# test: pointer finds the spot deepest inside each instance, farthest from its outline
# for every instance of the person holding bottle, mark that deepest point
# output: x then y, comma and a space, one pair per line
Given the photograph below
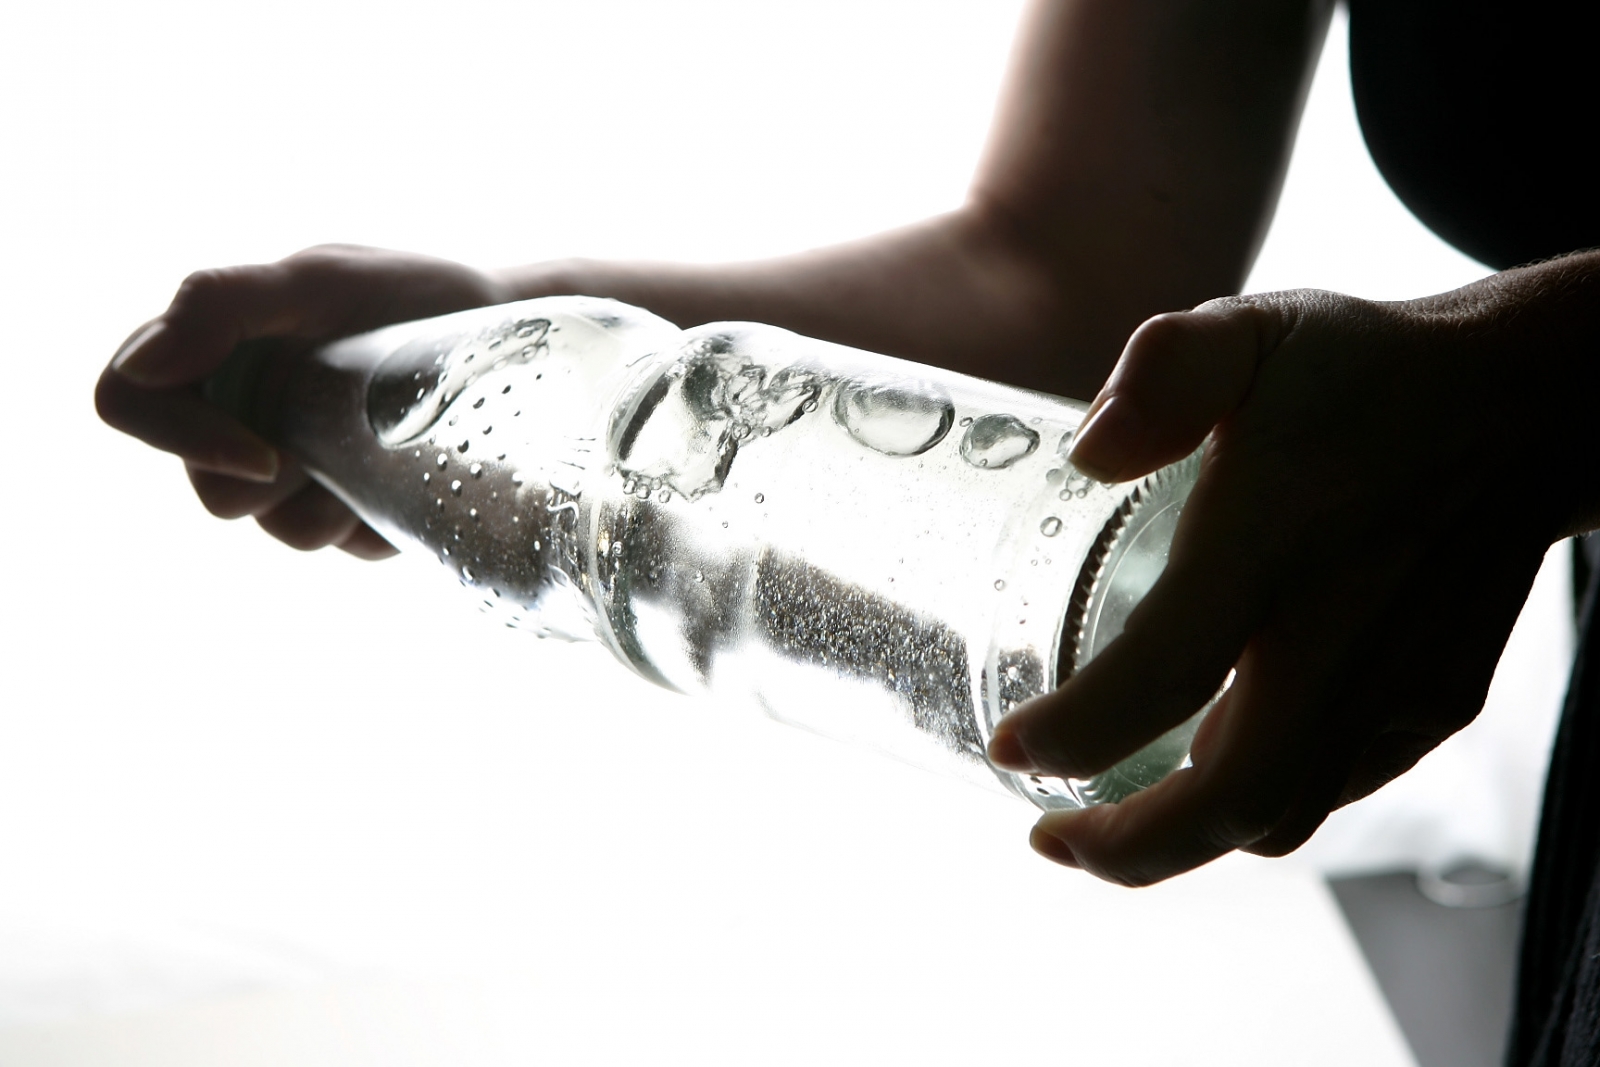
1381, 479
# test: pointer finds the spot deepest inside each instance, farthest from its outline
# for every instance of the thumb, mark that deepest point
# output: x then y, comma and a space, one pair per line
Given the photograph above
1180, 374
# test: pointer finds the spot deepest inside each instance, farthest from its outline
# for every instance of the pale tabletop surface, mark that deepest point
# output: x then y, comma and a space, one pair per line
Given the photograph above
1243, 964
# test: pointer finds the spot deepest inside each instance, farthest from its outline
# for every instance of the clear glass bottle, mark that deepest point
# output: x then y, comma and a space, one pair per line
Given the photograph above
886, 553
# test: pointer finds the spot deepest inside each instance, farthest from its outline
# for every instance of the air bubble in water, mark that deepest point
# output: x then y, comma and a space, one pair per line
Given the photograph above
479, 403
426, 477
684, 428
997, 441
443, 461
476, 470
897, 417
466, 572
1050, 526
472, 513
455, 487
761, 498
999, 584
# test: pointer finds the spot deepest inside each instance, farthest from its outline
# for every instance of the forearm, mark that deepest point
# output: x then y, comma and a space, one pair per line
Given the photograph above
953, 291
1133, 168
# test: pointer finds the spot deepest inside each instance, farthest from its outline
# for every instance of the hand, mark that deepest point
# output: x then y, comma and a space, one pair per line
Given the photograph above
151, 389
1380, 485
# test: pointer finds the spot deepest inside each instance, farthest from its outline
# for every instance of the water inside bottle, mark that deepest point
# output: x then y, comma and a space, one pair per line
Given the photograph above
866, 548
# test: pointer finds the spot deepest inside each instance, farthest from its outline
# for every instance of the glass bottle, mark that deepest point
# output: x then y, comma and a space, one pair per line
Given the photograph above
886, 553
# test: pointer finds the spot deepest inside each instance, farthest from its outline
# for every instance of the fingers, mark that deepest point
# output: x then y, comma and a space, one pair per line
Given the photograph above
293, 509
1173, 655
1271, 766
181, 422
151, 389
366, 543
318, 294
1342, 690
1193, 815
1179, 375
213, 311
233, 498
312, 518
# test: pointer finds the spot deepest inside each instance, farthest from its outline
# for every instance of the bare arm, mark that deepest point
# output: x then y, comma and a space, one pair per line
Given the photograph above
1133, 168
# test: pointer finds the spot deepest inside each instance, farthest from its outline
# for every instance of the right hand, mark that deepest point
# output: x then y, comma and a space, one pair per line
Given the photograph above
151, 388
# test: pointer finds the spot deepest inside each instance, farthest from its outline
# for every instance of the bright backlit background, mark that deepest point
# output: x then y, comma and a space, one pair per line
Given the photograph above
227, 768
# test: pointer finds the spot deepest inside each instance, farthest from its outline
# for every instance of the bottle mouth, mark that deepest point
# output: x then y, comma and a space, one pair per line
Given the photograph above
1127, 556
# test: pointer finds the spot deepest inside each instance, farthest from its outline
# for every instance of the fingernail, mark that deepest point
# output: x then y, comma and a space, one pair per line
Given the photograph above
132, 359
251, 461
1007, 753
1108, 437
1053, 848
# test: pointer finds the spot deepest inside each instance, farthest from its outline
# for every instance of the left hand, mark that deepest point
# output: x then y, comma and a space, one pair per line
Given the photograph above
153, 386
1381, 484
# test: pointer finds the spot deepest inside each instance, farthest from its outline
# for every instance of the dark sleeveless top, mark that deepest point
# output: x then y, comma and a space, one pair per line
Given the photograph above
1483, 117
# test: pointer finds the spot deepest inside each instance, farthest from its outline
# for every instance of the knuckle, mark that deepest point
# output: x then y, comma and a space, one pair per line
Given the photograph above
220, 505
202, 286
1158, 337
1282, 844
1235, 828
298, 537
223, 497
1135, 877
333, 250
110, 396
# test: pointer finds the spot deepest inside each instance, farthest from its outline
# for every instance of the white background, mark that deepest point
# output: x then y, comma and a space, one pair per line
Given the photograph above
226, 767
